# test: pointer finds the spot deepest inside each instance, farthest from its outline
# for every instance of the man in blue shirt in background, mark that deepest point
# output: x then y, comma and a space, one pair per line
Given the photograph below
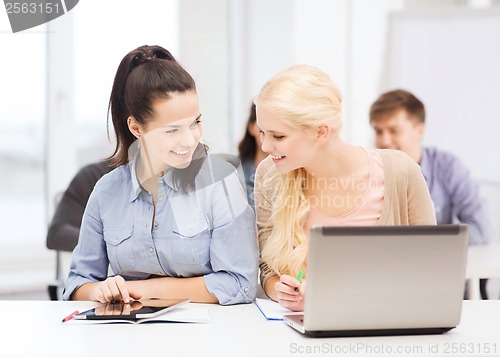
398, 118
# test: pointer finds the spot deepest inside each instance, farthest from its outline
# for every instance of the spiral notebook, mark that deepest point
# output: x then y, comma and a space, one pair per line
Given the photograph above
151, 311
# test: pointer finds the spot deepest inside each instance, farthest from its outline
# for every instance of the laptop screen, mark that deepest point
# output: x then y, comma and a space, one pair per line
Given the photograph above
385, 277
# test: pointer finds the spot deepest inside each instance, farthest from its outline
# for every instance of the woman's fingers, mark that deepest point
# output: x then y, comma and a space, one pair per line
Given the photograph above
122, 289
98, 294
114, 289
280, 287
302, 287
286, 293
290, 281
106, 292
291, 292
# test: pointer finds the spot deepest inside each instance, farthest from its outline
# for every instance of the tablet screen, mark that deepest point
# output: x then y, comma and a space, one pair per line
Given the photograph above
139, 309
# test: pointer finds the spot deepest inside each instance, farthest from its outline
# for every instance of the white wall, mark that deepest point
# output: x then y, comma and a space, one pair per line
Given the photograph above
451, 60
345, 38
204, 53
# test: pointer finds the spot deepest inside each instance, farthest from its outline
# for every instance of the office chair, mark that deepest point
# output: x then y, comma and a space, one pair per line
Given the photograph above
62, 235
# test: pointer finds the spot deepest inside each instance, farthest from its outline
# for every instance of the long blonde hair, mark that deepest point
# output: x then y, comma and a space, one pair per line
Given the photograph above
305, 98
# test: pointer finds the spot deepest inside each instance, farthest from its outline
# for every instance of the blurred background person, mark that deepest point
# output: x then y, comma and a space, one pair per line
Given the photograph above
250, 152
398, 118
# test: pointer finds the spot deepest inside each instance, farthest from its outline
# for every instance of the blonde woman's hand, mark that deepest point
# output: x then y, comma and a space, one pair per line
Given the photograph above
113, 289
291, 292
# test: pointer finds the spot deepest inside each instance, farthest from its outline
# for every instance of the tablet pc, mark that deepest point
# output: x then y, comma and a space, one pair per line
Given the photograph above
136, 310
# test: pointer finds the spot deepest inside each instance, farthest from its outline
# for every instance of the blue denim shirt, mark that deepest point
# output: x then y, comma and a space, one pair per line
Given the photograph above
454, 194
207, 232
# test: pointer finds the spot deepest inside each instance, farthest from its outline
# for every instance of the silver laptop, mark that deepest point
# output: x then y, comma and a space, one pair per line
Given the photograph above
364, 281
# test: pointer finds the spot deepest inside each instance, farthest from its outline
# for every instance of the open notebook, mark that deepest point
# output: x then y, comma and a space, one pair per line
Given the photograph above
184, 314
272, 310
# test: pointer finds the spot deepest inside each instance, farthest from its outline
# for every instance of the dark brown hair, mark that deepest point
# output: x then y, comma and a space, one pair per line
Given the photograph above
394, 100
144, 75
247, 147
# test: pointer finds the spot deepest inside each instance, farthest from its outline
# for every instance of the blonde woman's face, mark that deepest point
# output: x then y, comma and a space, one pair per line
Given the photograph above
174, 131
290, 148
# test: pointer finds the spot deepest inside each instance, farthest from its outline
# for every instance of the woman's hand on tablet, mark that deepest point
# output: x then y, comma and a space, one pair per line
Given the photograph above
291, 292
113, 289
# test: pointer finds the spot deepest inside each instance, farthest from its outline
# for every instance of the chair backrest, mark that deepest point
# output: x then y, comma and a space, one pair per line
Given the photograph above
63, 230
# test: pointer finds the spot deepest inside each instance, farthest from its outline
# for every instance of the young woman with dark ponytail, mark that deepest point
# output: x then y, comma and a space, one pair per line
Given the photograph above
170, 221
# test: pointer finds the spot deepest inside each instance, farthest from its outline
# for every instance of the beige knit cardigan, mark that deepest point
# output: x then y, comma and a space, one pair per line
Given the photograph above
406, 197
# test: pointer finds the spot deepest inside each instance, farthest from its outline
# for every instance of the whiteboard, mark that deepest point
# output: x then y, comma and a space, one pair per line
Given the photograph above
451, 61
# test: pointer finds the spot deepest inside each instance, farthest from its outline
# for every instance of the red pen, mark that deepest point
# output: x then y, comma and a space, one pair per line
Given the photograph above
70, 316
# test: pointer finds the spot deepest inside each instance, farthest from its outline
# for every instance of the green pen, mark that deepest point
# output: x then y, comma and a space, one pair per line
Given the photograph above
300, 275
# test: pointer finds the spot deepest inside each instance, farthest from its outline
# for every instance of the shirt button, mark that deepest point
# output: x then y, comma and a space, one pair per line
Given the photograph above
160, 199
156, 225
116, 240
151, 250
190, 231
245, 290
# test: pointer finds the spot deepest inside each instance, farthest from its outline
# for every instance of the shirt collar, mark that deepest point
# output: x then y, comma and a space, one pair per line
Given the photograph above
167, 178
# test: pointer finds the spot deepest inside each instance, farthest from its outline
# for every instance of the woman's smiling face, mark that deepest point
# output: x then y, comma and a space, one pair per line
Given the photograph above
290, 148
173, 131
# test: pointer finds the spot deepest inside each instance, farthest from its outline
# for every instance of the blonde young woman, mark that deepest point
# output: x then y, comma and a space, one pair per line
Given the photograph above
312, 177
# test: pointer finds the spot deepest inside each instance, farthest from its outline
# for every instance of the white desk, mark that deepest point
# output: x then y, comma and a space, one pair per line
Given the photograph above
34, 328
483, 263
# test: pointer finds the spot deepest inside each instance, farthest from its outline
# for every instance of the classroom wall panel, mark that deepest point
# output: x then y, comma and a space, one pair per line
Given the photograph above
451, 61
